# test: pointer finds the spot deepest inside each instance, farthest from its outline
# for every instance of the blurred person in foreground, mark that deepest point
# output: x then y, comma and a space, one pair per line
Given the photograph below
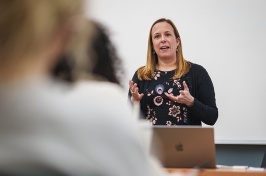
44, 130
169, 89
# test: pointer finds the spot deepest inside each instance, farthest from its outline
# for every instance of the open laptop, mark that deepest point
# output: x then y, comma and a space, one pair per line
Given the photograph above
184, 146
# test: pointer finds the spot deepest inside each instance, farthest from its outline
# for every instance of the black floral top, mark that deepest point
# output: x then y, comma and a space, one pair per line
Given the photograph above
160, 110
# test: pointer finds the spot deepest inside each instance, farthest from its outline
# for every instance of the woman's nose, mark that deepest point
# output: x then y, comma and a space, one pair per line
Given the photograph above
163, 39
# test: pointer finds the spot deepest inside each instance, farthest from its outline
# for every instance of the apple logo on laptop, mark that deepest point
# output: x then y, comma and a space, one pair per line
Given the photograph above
179, 147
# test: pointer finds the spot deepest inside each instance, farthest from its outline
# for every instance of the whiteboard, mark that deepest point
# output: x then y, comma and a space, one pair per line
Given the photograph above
227, 37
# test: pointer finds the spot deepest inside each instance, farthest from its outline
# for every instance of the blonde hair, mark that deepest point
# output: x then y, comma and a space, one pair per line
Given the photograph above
28, 25
146, 72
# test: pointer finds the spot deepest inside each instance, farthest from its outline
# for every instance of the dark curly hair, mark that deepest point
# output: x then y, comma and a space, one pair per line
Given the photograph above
107, 64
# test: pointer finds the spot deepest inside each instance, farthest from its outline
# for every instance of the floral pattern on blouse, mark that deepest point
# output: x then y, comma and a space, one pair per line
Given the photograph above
151, 116
174, 110
160, 110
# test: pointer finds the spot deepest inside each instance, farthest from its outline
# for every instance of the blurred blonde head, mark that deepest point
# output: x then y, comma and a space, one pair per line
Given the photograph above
28, 26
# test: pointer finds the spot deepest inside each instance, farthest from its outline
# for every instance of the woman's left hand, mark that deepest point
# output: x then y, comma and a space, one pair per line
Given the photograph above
184, 97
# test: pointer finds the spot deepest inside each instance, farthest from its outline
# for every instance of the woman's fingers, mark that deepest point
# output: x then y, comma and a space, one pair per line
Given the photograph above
185, 86
132, 87
134, 90
171, 96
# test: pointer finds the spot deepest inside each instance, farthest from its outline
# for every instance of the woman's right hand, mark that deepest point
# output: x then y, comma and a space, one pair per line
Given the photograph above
135, 95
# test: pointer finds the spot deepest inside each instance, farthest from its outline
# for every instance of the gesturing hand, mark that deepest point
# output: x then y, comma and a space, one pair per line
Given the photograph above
136, 97
184, 97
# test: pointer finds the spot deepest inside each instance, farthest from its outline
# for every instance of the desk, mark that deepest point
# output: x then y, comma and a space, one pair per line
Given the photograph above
221, 172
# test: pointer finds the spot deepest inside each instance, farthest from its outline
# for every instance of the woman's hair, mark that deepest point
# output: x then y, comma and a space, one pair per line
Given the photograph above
106, 66
27, 26
182, 66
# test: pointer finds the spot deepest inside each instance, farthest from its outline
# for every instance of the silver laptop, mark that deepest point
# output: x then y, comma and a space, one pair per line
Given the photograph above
184, 146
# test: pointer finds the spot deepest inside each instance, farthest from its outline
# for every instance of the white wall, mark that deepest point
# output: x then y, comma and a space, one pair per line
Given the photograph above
227, 37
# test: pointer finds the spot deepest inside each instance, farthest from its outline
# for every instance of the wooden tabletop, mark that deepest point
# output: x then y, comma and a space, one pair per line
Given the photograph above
219, 172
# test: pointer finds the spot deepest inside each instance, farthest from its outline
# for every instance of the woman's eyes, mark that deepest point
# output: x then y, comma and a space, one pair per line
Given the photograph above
158, 36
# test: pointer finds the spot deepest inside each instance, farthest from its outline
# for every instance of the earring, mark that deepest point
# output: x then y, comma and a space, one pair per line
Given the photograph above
176, 49
153, 52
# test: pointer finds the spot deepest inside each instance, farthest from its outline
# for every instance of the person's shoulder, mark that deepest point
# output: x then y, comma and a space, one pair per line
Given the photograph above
197, 67
105, 100
141, 67
100, 86
96, 89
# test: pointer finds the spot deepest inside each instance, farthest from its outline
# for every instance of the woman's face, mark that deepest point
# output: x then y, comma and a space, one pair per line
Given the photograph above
164, 40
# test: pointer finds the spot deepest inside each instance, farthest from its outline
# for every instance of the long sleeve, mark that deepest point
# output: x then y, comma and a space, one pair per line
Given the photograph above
204, 108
